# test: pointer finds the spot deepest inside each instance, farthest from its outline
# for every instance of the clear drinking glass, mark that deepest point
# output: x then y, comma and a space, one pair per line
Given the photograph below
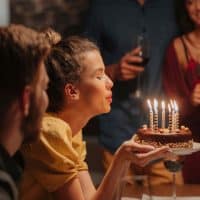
173, 166
142, 41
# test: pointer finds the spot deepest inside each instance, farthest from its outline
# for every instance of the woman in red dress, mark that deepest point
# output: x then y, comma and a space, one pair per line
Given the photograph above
181, 77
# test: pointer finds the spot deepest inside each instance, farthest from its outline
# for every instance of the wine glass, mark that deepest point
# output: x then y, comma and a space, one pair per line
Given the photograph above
173, 166
142, 42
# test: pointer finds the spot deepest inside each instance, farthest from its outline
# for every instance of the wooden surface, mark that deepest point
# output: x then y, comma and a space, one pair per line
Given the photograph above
161, 190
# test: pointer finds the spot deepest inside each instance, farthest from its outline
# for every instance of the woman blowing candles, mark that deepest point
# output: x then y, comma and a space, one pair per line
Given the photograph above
182, 66
78, 90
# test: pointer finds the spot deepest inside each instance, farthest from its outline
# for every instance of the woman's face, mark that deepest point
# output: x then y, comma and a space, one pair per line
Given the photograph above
193, 9
95, 86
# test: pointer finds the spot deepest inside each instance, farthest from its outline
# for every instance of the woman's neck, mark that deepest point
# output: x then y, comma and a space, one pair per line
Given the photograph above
75, 118
194, 38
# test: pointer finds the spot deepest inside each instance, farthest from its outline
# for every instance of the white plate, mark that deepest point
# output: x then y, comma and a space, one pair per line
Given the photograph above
186, 151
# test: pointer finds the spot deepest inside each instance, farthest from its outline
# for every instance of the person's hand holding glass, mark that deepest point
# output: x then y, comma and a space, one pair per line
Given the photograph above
129, 66
142, 42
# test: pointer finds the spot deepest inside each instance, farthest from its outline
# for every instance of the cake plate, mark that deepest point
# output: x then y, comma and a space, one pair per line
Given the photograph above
186, 151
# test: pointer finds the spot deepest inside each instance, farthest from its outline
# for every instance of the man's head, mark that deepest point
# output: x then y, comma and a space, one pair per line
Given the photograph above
23, 79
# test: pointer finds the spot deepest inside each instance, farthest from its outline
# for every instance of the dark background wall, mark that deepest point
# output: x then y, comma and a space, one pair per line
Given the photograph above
65, 16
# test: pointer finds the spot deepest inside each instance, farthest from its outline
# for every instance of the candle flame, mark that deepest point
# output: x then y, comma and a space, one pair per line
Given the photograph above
163, 105
169, 108
175, 106
172, 104
149, 104
155, 105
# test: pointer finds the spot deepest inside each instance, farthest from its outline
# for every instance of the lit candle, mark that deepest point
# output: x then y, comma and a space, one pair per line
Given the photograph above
170, 117
163, 114
173, 115
150, 114
155, 115
176, 115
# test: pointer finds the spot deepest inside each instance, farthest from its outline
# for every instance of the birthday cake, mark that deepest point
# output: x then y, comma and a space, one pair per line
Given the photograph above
172, 135
179, 138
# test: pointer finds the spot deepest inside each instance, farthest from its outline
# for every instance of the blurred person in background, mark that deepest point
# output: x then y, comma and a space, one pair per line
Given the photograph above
114, 25
23, 84
78, 90
182, 66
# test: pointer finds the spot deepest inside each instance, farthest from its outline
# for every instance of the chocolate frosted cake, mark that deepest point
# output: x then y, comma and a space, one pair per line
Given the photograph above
170, 134
179, 138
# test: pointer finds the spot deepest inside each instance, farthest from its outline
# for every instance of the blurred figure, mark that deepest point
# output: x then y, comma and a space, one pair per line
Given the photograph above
78, 90
115, 25
182, 77
23, 84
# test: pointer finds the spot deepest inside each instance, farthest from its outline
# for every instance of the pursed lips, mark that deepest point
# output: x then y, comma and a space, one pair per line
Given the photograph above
109, 98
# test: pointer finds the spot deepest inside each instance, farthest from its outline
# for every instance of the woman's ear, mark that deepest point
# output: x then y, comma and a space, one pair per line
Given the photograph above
71, 91
25, 100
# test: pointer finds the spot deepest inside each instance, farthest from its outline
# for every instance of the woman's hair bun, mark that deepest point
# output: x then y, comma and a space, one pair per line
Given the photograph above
52, 36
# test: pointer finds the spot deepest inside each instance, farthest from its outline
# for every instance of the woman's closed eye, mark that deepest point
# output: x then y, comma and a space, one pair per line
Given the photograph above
100, 76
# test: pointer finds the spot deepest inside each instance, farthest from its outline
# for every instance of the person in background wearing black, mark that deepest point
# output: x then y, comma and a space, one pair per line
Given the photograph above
23, 84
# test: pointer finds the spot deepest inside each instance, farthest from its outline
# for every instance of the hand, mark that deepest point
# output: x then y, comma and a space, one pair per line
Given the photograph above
195, 97
140, 154
128, 68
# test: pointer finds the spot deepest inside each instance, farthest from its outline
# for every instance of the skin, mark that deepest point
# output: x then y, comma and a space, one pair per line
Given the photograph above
193, 42
38, 105
125, 70
85, 99
25, 124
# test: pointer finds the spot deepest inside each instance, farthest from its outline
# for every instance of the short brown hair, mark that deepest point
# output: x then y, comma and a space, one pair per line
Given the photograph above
21, 52
64, 65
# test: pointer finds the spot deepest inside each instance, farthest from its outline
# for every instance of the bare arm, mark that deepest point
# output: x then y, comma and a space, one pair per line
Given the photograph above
82, 188
129, 151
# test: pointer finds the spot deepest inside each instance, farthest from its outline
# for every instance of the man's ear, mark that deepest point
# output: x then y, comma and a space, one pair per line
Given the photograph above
71, 91
25, 100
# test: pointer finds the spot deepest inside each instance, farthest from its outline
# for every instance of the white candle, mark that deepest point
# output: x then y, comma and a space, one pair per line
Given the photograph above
155, 115
163, 114
150, 114
176, 115
170, 117
173, 115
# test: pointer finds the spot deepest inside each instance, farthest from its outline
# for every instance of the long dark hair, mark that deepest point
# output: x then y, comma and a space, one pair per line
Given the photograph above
183, 20
64, 65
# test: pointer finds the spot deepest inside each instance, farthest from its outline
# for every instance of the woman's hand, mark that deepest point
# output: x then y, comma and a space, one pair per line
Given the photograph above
140, 154
195, 97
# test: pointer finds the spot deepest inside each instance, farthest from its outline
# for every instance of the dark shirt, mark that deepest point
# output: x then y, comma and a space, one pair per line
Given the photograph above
114, 25
10, 173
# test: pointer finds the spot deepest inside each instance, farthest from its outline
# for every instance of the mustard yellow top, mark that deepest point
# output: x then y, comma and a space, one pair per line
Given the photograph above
52, 161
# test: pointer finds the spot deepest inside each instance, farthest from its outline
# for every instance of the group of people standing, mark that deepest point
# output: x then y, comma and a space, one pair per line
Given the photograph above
41, 70
172, 71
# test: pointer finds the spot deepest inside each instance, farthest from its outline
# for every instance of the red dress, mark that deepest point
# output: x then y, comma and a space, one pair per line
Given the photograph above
178, 84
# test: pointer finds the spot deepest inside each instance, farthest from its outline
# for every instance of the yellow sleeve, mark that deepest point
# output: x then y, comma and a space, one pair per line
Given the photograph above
52, 160
80, 147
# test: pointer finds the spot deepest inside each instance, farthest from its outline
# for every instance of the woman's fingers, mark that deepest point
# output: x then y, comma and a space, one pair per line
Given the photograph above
196, 95
143, 158
141, 154
140, 148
